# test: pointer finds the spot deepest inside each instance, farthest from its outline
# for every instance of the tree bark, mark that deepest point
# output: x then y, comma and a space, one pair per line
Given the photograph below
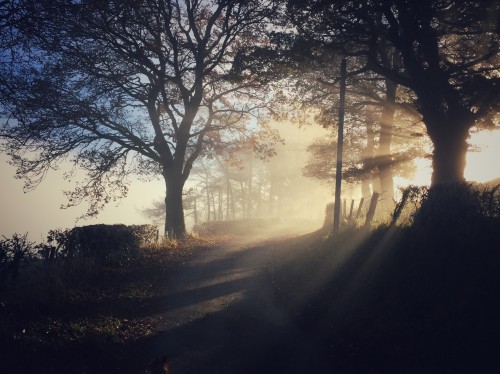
219, 213
368, 156
384, 159
175, 227
207, 190
250, 189
449, 155
214, 210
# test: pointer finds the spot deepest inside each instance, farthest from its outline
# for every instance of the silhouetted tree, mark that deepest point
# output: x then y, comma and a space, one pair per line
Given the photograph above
449, 59
309, 85
128, 87
373, 152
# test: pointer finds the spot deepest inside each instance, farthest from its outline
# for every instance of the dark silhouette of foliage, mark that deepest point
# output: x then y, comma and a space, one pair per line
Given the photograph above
420, 298
109, 244
15, 251
455, 205
447, 56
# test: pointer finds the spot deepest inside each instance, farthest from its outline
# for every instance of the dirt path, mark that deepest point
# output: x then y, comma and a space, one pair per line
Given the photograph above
221, 316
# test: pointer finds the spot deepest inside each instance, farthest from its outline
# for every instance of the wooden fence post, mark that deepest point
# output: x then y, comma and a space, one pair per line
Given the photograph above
400, 206
350, 211
371, 209
358, 214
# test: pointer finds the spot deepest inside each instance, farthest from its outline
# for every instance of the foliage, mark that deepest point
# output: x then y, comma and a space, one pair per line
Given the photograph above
161, 253
147, 234
488, 200
108, 244
411, 200
230, 187
57, 244
357, 165
128, 88
77, 249
456, 204
14, 252
443, 52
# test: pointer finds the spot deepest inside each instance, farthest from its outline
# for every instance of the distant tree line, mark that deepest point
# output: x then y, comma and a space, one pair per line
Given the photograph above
244, 186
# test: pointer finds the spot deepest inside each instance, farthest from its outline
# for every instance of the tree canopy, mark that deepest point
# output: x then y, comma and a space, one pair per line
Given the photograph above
447, 55
122, 87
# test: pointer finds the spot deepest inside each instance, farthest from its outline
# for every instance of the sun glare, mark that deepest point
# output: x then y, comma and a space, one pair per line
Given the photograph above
482, 159
482, 166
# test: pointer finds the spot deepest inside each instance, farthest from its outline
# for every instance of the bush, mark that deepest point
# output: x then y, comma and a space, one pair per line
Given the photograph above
450, 216
447, 204
58, 242
14, 252
107, 244
488, 200
147, 234
411, 200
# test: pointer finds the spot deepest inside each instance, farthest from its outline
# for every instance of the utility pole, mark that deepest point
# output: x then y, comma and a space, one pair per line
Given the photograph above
340, 146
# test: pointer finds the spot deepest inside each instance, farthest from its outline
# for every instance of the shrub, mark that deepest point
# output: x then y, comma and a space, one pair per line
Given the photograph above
488, 200
449, 204
107, 244
454, 215
457, 204
411, 200
147, 234
14, 252
58, 242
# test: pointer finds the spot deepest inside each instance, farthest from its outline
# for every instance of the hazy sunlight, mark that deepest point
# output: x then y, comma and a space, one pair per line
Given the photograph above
482, 166
484, 153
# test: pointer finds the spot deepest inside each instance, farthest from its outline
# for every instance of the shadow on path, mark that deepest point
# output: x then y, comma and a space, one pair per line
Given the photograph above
222, 316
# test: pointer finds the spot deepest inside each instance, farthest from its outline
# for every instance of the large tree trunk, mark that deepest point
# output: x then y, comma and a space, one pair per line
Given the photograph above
449, 155
384, 157
228, 197
175, 227
207, 190
448, 130
368, 156
250, 189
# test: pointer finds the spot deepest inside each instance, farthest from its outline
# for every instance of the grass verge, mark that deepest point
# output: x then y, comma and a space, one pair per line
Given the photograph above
77, 317
397, 300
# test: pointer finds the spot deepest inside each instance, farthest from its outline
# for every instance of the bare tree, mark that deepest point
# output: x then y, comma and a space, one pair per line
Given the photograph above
129, 87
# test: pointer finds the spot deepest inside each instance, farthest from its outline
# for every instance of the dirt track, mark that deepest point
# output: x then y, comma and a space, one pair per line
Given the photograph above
221, 316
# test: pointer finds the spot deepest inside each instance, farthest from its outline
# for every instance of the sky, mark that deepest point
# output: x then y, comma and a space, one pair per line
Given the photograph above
482, 166
38, 211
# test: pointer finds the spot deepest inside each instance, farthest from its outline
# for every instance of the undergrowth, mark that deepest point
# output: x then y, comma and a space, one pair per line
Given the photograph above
75, 305
416, 298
